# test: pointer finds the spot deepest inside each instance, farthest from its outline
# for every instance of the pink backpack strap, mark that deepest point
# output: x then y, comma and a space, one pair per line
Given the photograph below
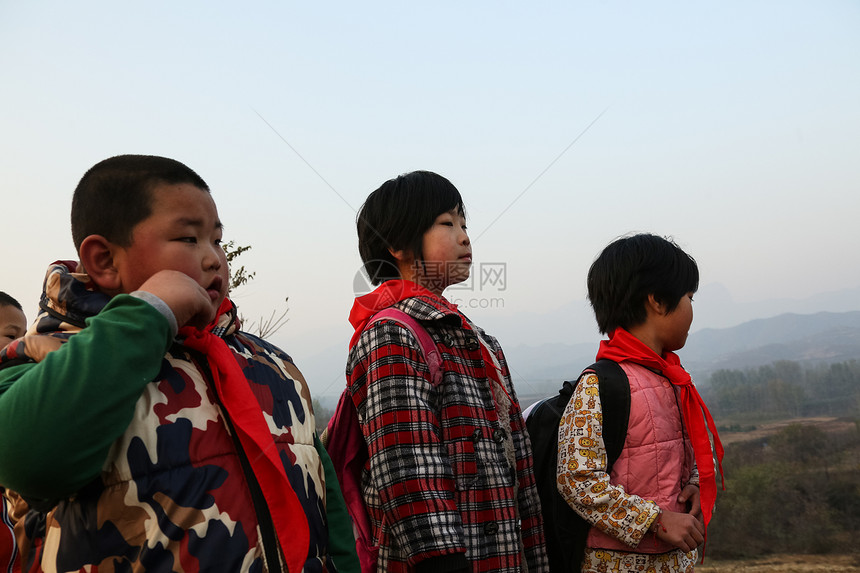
425, 341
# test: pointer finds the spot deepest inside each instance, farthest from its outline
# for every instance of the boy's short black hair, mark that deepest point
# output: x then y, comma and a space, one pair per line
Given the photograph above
114, 195
630, 269
8, 300
397, 215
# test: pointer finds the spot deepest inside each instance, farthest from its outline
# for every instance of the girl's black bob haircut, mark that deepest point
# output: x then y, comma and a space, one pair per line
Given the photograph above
396, 216
630, 269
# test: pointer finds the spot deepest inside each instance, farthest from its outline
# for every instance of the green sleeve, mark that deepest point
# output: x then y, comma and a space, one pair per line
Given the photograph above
59, 417
341, 541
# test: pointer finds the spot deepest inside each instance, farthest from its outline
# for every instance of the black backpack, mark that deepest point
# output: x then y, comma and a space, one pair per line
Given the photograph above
564, 529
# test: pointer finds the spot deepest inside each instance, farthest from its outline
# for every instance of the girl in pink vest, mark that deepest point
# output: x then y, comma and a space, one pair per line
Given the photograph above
648, 513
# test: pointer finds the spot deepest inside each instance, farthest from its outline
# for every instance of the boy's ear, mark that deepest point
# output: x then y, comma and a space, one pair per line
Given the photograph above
98, 259
652, 305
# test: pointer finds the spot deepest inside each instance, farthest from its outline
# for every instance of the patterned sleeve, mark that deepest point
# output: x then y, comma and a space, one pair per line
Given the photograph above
397, 407
583, 481
694, 476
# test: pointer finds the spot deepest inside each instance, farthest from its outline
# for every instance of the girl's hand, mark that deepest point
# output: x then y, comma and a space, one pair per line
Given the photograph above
682, 530
690, 495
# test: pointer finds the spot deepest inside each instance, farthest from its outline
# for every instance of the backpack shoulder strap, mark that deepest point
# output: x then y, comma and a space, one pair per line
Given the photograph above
425, 341
564, 529
614, 391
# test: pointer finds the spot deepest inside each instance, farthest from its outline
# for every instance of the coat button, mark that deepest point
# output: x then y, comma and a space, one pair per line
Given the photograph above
449, 341
472, 345
499, 436
491, 528
477, 435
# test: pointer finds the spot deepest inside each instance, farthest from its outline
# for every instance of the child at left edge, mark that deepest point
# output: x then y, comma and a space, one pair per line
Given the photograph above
13, 324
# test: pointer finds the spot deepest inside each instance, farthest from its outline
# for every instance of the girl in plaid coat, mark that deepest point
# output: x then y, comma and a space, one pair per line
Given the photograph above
449, 483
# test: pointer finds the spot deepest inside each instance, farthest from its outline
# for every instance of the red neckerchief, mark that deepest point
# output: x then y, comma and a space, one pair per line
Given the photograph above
623, 346
387, 294
390, 293
288, 516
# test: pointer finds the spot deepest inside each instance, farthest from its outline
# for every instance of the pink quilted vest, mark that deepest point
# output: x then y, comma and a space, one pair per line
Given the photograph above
657, 458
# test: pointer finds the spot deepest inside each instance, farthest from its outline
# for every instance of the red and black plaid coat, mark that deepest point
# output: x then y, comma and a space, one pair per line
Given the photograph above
438, 485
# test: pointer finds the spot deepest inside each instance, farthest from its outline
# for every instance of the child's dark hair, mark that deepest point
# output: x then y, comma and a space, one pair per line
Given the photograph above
114, 195
630, 269
8, 300
397, 215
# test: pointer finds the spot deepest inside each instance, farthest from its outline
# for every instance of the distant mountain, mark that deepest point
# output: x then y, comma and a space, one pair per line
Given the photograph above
824, 337
573, 322
821, 337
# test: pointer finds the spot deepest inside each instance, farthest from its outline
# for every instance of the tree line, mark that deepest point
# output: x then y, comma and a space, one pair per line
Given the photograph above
784, 389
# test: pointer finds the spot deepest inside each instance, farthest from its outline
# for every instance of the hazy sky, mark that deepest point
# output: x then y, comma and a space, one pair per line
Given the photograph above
733, 127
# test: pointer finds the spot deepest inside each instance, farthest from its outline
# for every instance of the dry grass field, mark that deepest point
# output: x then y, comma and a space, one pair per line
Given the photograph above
790, 563
785, 564
826, 424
